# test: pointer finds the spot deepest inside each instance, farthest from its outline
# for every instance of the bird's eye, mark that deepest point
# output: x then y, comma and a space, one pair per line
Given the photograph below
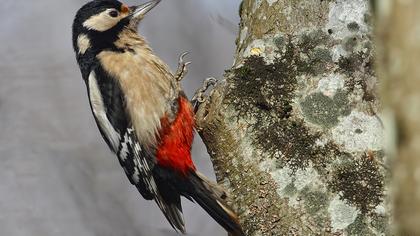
113, 13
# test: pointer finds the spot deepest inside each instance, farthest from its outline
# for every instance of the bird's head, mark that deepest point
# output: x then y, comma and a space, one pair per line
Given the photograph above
102, 20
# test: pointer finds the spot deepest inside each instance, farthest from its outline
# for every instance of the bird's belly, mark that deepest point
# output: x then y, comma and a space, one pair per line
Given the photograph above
147, 91
176, 137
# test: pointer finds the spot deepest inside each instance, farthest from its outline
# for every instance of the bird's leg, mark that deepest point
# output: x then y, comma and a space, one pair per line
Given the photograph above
179, 75
182, 67
200, 95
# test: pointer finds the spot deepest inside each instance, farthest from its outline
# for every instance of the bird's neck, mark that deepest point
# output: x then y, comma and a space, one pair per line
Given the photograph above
121, 40
129, 39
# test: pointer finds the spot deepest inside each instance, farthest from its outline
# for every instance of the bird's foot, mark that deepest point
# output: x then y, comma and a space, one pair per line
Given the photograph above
200, 95
182, 70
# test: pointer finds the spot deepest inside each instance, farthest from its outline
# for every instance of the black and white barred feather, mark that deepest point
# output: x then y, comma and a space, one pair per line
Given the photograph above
138, 167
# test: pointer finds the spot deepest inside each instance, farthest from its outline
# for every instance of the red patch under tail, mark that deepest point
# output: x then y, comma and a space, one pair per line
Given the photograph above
174, 150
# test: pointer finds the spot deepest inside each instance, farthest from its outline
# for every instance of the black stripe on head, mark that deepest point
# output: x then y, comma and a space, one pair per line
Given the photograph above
90, 9
98, 41
95, 7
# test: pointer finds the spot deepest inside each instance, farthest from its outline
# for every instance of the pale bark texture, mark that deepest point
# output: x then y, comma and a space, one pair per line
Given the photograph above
398, 38
293, 129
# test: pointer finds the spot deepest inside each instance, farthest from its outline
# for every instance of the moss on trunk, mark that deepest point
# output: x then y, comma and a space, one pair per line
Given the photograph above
292, 130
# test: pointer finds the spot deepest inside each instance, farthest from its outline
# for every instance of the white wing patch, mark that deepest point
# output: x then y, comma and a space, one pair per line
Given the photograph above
100, 112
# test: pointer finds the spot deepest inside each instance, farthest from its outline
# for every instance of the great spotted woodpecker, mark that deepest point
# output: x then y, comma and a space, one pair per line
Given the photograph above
141, 111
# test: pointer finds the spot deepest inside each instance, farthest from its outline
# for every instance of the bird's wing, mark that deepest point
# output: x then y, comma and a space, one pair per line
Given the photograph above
107, 103
139, 168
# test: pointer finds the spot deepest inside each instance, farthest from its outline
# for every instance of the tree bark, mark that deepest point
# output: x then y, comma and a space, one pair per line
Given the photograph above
292, 129
399, 55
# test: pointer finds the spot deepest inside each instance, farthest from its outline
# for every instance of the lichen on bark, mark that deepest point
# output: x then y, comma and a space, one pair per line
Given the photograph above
292, 130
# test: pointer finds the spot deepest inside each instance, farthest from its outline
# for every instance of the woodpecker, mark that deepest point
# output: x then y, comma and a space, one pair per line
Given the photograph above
141, 111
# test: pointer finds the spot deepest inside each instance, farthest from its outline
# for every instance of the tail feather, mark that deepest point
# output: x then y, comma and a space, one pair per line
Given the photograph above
216, 190
212, 199
175, 218
171, 208
173, 213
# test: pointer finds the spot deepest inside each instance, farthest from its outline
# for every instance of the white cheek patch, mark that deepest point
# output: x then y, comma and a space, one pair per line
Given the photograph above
101, 22
83, 43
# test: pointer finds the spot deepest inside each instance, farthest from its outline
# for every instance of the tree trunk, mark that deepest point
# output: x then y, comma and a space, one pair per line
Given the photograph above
292, 129
398, 34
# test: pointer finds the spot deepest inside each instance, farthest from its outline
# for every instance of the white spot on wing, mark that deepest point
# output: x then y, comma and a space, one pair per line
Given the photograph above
136, 176
100, 113
124, 147
124, 152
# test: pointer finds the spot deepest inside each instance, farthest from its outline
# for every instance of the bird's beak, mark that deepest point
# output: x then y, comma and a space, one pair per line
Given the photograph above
138, 12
